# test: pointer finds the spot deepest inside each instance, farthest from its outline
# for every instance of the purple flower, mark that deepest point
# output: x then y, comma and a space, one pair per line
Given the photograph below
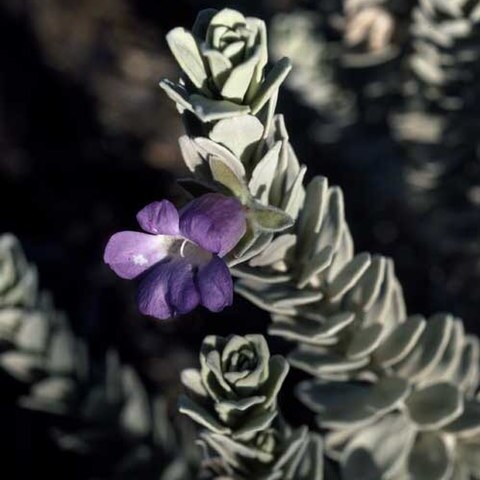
179, 256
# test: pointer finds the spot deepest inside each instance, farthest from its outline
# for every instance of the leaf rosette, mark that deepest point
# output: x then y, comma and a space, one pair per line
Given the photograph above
223, 61
235, 391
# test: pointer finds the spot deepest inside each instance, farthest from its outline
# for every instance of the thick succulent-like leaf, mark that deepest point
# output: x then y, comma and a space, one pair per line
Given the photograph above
379, 451
400, 341
434, 406
238, 134
430, 458
187, 53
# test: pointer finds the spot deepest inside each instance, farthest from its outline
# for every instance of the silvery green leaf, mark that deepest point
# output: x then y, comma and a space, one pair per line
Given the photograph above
187, 53
429, 349
348, 403
232, 451
192, 380
226, 408
278, 370
320, 361
264, 173
255, 24
271, 83
430, 457
252, 243
367, 289
33, 333
275, 252
293, 453
227, 17
208, 110
238, 134
365, 340
333, 221
311, 216
379, 451
348, 276
311, 462
279, 299
223, 174
237, 83
258, 275
208, 149
270, 219
434, 406
311, 331
191, 156
384, 308
295, 197
467, 425
314, 266
177, 93
400, 341
219, 65
467, 374
201, 415
451, 358
253, 424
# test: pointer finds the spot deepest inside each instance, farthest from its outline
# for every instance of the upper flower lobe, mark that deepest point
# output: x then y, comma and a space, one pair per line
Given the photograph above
179, 256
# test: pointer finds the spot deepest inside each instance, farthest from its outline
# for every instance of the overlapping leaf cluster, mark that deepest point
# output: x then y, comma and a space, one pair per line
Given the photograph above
396, 392
234, 396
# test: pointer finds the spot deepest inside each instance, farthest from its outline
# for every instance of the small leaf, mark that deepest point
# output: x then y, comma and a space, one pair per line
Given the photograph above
223, 174
187, 53
270, 219
201, 416
365, 340
177, 93
430, 458
275, 252
348, 276
208, 110
271, 83
435, 406
238, 134
264, 173
400, 341
236, 85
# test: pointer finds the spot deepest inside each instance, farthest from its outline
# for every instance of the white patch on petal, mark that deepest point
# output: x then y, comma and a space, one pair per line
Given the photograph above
140, 259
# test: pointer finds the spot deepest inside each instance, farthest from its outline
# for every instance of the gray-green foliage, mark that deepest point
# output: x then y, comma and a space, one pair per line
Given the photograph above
379, 373
223, 63
234, 397
37, 345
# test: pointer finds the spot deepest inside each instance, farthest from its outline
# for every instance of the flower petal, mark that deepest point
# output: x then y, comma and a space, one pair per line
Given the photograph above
168, 290
213, 221
215, 285
131, 253
159, 218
